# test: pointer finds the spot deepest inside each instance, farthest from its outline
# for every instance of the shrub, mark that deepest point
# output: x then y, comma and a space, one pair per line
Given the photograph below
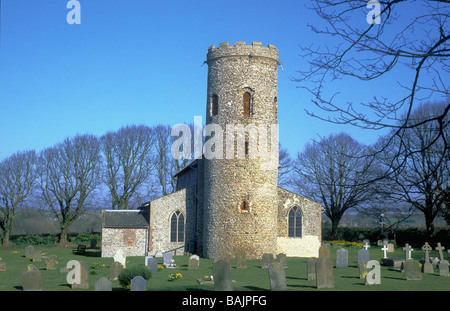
128, 274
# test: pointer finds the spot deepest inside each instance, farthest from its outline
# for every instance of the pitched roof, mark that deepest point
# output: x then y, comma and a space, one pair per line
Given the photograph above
125, 218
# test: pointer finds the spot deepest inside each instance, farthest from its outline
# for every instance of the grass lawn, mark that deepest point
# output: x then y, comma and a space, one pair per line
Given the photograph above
252, 278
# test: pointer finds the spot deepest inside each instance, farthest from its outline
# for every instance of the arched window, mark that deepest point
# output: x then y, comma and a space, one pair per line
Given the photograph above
247, 104
215, 105
177, 227
295, 223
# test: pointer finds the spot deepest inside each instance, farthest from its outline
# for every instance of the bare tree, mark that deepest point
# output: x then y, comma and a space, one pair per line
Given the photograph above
17, 182
165, 164
368, 49
284, 167
128, 162
68, 175
333, 172
424, 179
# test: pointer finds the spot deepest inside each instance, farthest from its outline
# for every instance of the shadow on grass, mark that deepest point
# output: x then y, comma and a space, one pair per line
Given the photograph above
256, 288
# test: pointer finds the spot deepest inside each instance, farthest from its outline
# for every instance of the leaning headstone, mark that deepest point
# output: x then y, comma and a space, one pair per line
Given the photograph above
120, 256
241, 260
37, 256
373, 276
412, 270
194, 262
151, 264
427, 266
29, 250
84, 277
267, 259
103, 285
221, 273
324, 273
443, 268
281, 258
341, 258
277, 277
138, 284
114, 270
51, 262
363, 256
311, 268
31, 279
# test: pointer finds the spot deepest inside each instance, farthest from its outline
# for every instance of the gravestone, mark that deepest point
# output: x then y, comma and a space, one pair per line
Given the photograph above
408, 251
114, 270
412, 270
29, 250
168, 260
440, 248
390, 247
443, 268
324, 250
37, 256
221, 273
366, 245
31, 279
373, 276
2, 266
324, 273
363, 256
103, 285
311, 268
281, 258
194, 262
427, 266
151, 264
241, 260
341, 258
120, 256
267, 259
51, 262
277, 277
84, 277
138, 284
384, 249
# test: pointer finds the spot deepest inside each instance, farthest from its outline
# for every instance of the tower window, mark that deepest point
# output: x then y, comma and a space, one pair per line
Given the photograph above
247, 104
177, 227
215, 105
295, 223
245, 205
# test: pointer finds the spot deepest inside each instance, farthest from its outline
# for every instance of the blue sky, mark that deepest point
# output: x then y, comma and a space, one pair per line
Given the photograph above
140, 62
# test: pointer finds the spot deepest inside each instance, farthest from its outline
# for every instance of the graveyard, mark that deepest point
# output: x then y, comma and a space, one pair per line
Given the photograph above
289, 273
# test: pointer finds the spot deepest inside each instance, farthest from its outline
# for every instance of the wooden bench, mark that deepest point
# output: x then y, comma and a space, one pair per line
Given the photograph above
81, 249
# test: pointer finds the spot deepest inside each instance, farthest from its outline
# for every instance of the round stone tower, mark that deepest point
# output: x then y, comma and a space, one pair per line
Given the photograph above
240, 177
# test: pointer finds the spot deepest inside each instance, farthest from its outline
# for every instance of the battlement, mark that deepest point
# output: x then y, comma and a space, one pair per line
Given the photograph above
256, 49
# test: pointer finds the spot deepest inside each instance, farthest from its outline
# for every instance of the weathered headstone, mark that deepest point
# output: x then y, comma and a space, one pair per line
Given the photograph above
324, 250
114, 270
390, 247
427, 266
194, 262
373, 276
408, 251
120, 256
412, 270
29, 250
84, 277
241, 260
51, 262
151, 264
341, 258
440, 248
281, 258
103, 285
363, 256
138, 284
37, 256
311, 268
443, 268
31, 279
324, 273
267, 259
221, 272
277, 277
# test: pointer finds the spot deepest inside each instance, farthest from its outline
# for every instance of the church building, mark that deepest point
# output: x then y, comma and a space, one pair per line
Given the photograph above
230, 201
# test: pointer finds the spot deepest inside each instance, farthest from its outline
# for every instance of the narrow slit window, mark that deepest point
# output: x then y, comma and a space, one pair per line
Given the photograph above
247, 104
215, 105
245, 205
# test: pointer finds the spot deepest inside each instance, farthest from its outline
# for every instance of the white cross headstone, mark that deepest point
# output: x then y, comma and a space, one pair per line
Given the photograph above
366, 246
440, 248
408, 251
384, 249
